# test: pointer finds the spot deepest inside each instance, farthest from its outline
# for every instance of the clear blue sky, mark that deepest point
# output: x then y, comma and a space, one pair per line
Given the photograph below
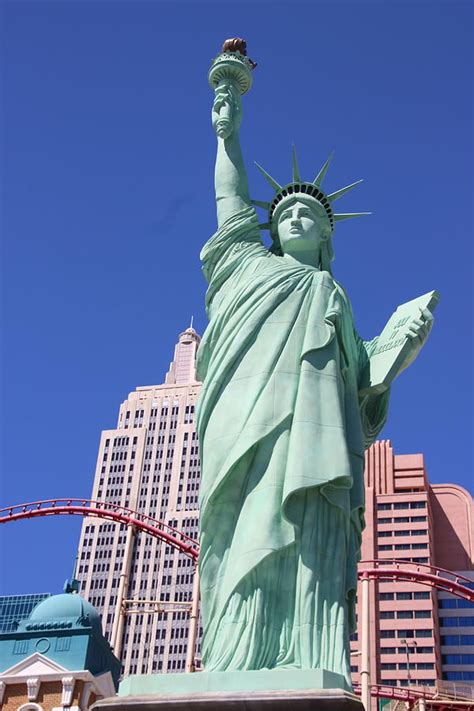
108, 196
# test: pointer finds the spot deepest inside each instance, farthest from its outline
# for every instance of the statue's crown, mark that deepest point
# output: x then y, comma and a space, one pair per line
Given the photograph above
312, 190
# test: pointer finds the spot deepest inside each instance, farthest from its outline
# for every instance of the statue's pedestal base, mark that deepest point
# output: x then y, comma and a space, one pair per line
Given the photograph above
264, 690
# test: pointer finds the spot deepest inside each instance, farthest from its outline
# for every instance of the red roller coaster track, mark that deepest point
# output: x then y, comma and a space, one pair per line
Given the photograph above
411, 695
101, 509
423, 573
439, 578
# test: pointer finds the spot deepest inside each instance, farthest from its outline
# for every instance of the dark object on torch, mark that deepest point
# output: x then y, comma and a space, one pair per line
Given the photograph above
237, 44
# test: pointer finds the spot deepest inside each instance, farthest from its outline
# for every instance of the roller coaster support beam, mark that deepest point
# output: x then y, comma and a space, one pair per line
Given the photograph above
365, 644
119, 618
193, 623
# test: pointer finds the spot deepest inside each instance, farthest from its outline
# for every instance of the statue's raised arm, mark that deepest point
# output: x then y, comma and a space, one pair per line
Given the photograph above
291, 397
230, 76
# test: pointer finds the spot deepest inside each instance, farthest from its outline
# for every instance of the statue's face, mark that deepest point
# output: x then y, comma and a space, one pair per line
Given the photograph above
301, 228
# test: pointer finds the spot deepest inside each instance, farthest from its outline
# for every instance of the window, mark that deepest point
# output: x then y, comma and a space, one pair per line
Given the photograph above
401, 505
384, 507
404, 596
459, 676
389, 615
451, 639
453, 603
388, 650
386, 596
418, 505
464, 604
422, 614
424, 633
405, 615
20, 646
421, 596
458, 658
456, 621
387, 634
63, 644
448, 621
386, 667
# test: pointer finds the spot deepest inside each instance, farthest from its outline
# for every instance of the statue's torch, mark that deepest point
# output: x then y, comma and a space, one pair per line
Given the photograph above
231, 71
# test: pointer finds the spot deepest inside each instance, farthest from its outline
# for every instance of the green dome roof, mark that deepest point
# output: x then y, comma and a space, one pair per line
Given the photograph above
66, 610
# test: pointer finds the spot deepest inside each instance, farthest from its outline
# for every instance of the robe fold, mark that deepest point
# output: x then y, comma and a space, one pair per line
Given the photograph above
282, 432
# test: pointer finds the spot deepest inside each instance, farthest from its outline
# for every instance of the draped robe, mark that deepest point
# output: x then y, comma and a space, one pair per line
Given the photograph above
282, 432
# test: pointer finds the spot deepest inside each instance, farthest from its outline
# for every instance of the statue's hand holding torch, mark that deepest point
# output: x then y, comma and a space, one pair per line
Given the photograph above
227, 109
230, 76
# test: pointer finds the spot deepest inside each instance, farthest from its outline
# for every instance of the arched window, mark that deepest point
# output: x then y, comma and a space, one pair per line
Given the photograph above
30, 707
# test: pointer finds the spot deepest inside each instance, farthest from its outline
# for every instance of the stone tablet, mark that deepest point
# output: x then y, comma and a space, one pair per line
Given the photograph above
393, 344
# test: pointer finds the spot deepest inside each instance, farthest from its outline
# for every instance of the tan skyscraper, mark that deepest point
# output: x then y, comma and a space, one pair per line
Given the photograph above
149, 463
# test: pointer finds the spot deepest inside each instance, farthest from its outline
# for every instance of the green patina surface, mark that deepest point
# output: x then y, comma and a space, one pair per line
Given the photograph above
286, 412
266, 680
66, 629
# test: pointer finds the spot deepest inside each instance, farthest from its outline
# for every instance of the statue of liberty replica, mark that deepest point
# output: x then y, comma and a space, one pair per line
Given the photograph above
292, 397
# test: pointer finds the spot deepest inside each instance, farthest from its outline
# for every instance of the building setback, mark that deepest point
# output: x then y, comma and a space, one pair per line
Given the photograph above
409, 519
150, 463
454, 545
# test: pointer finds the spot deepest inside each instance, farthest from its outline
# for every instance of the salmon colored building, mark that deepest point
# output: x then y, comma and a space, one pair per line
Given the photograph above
418, 636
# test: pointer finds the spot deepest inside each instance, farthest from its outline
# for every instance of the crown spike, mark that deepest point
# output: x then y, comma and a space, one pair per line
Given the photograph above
269, 178
320, 176
261, 203
296, 170
348, 215
339, 193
